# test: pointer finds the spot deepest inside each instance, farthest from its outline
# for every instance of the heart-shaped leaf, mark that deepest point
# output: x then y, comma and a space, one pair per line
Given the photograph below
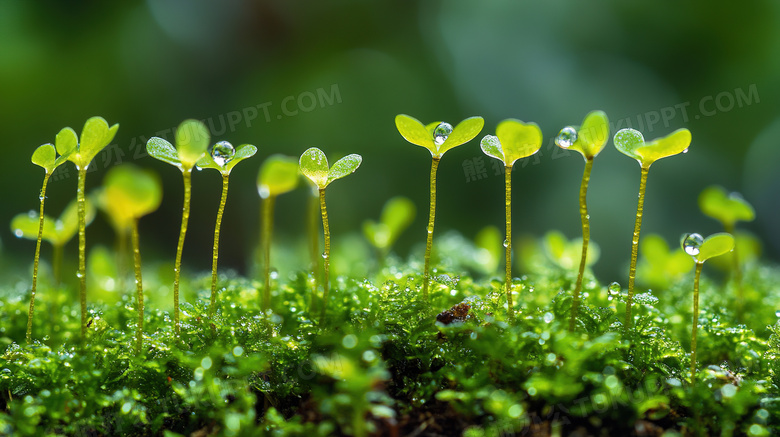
727, 208
592, 136
438, 142
224, 157
95, 136
314, 165
130, 193
45, 156
518, 140
715, 245
66, 142
464, 132
278, 175
631, 143
344, 166
192, 142
161, 149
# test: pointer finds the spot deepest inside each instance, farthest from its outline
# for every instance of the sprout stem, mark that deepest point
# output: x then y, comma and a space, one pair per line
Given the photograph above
268, 217
736, 274
57, 263
37, 258
508, 242
635, 245
325, 256
429, 240
139, 288
314, 242
185, 217
695, 320
215, 254
82, 273
585, 218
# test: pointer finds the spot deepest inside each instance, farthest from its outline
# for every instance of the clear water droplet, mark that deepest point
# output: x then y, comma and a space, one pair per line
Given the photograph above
325, 255
691, 243
18, 233
440, 134
777, 313
614, 288
566, 137
548, 317
686, 150
222, 153
32, 214
79, 275
506, 243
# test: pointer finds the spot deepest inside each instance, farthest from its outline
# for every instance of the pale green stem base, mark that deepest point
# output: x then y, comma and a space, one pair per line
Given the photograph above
313, 213
736, 270
695, 321
82, 273
185, 217
585, 218
37, 258
215, 254
325, 257
635, 247
508, 242
429, 239
139, 288
268, 217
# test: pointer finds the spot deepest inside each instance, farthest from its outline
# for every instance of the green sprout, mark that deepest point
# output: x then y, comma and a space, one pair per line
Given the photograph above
128, 194
631, 143
437, 137
95, 136
192, 142
566, 253
314, 165
278, 175
589, 140
701, 250
223, 158
46, 157
513, 140
659, 266
397, 214
728, 209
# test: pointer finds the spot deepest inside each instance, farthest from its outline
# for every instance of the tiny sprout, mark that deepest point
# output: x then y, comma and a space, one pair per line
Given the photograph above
95, 136
223, 158
728, 209
702, 249
659, 266
192, 141
278, 175
314, 165
514, 140
130, 193
397, 214
437, 137
589, 140
631, 143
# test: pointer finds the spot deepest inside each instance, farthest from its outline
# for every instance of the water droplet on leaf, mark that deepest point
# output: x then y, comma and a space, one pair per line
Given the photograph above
440, 134
566, 137
691, 243
222, 153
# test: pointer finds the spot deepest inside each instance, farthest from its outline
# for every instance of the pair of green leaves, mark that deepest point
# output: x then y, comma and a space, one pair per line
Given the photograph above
57, 232
513, 140
397, 214
588, 139
702, 249
95, 136
727, 208
314, 165
129, 193
438, 137
278, 175
631, 143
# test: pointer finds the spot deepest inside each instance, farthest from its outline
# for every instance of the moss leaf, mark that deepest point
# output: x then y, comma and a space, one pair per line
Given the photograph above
727, 208
314, 165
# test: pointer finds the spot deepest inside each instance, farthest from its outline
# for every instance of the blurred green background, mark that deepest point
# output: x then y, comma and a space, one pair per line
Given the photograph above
286, 75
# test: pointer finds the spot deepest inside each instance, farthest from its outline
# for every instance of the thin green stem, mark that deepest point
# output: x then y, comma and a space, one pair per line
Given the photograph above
82, 273
429, 239
635, 246
185, 218
37, 258
139, 288
325, 257
695, 320
121, 259
57, 263
585, 218
508, 242
736, 270
268, 224
215, 254
313, 213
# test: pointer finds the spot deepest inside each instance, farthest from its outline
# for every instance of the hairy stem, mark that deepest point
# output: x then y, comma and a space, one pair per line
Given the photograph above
325, 256
695, 320
139, 288
313, 212
185, 218
585, 218
635, 246
508, 242
268, 217
82, 273
429, 239
215, 254
37, 258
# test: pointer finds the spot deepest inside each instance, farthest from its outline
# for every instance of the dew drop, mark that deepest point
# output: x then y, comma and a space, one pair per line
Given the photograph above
441, 132
614, 288
32, 214
686, 150
548, 317
18, 233
566, 137
691, 243
222, 153
506, 243
325, 255
777, 313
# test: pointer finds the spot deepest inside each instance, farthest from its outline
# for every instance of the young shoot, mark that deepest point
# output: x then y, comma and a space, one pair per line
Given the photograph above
397, 214
223, 158
314, 165
631, 143
95, 136
438, 137
513, 140
728, 209
46, 157
128, 194
701, 250
278, 175
588, 140
192, 142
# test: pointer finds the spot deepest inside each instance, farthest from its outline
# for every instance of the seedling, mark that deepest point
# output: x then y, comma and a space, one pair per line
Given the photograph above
46, 157
130, 193
513, 140
192, 142
314, 165
278, 175
437, 137
659, 266
728, 209
95, 136
701, 250
223, 158
631, 143
397, 214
